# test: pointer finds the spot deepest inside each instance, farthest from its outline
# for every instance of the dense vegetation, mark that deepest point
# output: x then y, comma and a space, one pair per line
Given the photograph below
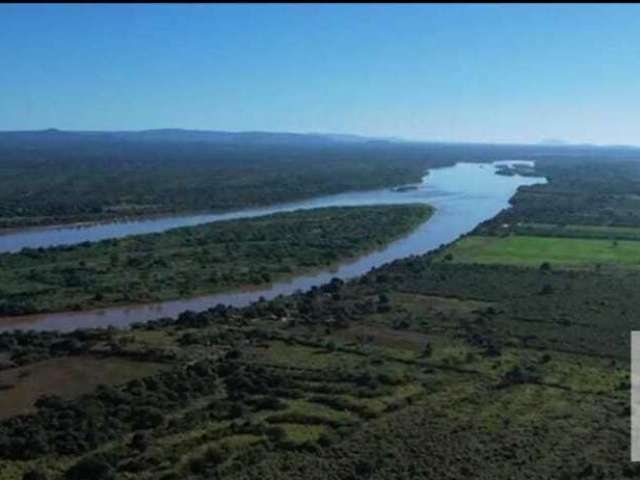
197, 260
422, 368
586, 216
432, 366
57, 177
580, 191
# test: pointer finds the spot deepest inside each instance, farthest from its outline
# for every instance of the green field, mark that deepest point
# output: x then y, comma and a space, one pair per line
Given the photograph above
532, 251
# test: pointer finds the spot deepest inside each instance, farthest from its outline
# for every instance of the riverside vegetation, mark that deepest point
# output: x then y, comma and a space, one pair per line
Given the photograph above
444, 365
53, 177
191, 261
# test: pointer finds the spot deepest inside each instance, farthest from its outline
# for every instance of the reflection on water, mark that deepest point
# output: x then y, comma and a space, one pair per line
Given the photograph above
464, 195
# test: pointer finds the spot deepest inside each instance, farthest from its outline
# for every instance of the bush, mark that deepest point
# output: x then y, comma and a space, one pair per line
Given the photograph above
34, 475
546, 289
147, 417
93, 468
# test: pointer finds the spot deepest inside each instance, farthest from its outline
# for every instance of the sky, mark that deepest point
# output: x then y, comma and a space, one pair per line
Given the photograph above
486, 73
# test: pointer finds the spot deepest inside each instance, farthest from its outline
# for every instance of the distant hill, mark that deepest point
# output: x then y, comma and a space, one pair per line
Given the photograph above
552, 142
184, 135
52, 137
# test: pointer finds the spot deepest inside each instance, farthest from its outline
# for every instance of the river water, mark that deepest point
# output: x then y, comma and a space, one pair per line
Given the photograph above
463, 195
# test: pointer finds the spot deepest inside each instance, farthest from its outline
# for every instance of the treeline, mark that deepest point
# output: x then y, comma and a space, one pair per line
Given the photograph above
24, 347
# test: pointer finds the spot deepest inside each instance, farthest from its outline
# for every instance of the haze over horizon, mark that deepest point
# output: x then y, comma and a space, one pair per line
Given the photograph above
551, 142
455, 73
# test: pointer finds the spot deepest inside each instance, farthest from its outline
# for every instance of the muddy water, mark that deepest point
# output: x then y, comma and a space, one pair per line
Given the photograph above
464, 195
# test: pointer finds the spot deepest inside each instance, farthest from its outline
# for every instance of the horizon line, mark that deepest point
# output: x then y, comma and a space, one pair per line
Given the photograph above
391, 138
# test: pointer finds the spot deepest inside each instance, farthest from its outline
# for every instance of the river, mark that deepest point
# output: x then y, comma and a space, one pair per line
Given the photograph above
463, 195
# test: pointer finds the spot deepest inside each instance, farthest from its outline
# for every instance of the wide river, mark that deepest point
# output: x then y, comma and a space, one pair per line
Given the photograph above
463, 195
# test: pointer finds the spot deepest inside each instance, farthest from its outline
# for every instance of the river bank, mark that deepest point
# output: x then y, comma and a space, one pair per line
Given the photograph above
464, 195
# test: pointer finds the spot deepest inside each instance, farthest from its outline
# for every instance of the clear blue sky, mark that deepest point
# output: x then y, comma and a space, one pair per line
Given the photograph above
505, 73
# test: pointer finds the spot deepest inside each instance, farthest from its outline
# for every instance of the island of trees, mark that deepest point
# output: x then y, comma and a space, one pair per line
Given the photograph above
192, 261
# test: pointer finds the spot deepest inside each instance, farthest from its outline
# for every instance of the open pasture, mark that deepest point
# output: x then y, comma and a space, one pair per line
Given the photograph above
533, 251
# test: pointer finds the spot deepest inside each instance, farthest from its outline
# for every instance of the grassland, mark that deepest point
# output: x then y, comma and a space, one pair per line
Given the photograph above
197, 260
533, 251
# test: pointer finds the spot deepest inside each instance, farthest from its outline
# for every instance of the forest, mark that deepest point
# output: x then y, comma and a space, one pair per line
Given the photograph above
580, 191
53, 177
192, 261
433, 366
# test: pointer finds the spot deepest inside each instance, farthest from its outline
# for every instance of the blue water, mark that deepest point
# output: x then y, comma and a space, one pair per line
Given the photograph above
463, 195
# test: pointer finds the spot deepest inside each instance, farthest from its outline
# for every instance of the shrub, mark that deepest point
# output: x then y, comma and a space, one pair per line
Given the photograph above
94, 468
